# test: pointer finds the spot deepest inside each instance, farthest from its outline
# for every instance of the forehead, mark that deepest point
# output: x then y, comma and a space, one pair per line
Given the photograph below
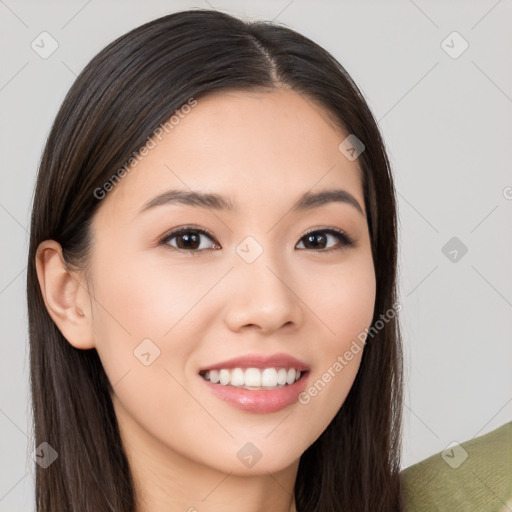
248, 145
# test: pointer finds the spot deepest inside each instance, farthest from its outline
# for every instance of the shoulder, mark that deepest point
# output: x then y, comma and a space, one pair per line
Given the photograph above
475, 475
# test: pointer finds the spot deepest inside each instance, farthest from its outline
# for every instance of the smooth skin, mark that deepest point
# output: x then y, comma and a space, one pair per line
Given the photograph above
263, 150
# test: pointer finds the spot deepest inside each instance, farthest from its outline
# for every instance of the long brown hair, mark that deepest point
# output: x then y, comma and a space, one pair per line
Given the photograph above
126, 91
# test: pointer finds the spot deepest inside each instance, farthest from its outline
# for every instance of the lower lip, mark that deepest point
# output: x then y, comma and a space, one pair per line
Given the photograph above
259, 401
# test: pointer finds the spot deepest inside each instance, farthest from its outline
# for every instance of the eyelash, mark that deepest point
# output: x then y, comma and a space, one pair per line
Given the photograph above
344, 239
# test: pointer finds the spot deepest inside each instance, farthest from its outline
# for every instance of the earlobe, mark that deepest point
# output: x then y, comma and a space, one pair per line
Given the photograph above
65, 298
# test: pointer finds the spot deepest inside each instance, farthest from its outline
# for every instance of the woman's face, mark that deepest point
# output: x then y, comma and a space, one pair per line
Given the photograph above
162, 310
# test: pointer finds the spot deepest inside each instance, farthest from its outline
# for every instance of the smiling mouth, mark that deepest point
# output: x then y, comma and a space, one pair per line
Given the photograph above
253, 378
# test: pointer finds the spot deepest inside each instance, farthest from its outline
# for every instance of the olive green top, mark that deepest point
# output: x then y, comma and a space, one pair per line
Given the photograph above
475, 475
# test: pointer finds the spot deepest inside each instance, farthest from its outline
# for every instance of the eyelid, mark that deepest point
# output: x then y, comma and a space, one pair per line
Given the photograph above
330, 229
347, 240
184, 229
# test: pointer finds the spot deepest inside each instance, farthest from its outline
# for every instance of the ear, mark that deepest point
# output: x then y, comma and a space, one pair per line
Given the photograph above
65, 296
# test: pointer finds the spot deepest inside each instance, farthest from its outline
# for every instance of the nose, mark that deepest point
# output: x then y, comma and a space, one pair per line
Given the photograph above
263, 296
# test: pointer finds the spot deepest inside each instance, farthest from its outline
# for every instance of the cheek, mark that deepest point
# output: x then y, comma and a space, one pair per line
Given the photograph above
149, 318
135, 305
144, 339
342, 298
138, 298
343, 301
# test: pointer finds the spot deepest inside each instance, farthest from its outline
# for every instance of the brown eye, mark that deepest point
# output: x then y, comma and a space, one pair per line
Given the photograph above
191, 240
188, 239
319, 239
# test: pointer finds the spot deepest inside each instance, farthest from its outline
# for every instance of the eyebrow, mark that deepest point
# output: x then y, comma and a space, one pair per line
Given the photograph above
213, 201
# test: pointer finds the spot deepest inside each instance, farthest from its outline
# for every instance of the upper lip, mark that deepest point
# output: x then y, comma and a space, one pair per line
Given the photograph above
280, 360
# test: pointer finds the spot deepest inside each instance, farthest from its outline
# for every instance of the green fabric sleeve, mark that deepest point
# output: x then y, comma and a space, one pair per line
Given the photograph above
475, 475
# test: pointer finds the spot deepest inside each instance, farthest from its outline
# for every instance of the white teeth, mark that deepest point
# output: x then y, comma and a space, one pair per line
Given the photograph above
290, 377
281, 376
269, 377
237, 377
253, 377
225, 377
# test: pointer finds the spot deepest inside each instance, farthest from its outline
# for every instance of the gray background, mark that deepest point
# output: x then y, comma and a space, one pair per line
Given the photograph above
447, 125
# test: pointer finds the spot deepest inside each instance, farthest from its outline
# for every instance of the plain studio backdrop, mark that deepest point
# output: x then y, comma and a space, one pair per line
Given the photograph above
438, 78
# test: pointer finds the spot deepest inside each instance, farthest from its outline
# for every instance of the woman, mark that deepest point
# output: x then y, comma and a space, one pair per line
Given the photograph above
212, 280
